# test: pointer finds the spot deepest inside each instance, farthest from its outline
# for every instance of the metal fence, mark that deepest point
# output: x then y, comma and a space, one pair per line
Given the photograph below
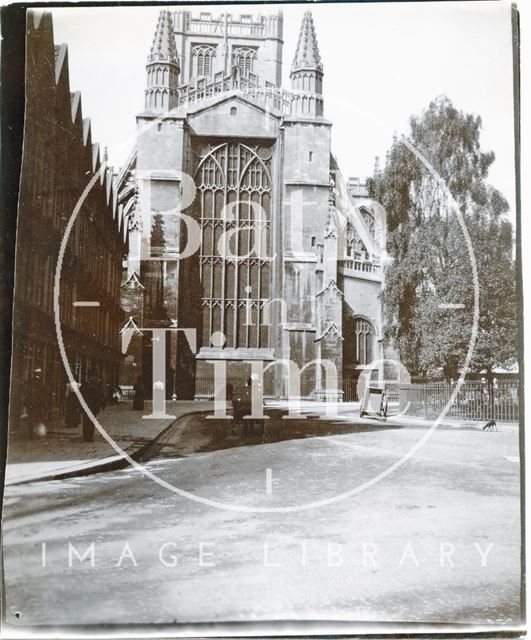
474, 400
204, 388
205, 385
128, 392
350, 390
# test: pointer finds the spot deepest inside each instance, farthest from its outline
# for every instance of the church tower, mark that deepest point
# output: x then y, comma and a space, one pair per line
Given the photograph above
307, 72
306, 176
269, 280
162, 68
158, 176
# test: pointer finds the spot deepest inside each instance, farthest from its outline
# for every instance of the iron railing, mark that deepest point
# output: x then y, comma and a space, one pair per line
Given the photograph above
474, 400
350, 390
204, 387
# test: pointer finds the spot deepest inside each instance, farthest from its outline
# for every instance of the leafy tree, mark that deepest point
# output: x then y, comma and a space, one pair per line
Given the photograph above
431, 264
154, 272
158, 238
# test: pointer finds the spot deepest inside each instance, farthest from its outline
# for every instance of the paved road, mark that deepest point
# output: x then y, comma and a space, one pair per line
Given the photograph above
408, 548
64, 450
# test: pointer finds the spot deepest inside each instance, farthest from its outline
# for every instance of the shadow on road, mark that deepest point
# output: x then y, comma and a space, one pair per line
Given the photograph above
196, 433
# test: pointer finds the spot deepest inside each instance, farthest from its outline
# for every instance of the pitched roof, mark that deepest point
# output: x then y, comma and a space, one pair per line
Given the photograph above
331, 328
132, 283
307, 52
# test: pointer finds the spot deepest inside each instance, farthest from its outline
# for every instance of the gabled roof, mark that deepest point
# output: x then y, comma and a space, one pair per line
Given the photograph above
95, 156
87, 134
37, 17
61, 55
331, 286
108, 185
129, 330
132, 283
130, 325
238, 95
75, 99
331, 328
128, 167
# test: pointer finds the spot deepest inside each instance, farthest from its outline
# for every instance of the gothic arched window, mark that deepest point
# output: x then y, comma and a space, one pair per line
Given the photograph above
364, 335
234, 213
243, 58
368, 218
355, 247
203, 59
358, 344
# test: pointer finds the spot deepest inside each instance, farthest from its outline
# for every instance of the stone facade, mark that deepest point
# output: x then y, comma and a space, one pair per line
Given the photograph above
286, 267
59, 160
214, 44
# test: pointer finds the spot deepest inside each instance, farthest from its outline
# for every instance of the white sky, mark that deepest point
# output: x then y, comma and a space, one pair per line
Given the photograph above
382, 63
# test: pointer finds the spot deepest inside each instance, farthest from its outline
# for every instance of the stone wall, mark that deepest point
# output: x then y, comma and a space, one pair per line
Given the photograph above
59, 160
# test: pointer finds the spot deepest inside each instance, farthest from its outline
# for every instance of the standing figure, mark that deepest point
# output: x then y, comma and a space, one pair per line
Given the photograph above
93, 396
72, 407
116, 395
138, 399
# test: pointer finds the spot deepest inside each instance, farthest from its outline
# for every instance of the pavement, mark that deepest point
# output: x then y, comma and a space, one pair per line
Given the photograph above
63, 453
350, 412
341, 527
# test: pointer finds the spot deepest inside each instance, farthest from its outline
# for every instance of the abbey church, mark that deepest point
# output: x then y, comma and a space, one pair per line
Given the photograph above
241, 225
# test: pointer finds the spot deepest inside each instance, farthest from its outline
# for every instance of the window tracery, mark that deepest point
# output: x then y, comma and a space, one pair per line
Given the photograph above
244, 58
355, 247
234, 184
364, 335
203, 60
